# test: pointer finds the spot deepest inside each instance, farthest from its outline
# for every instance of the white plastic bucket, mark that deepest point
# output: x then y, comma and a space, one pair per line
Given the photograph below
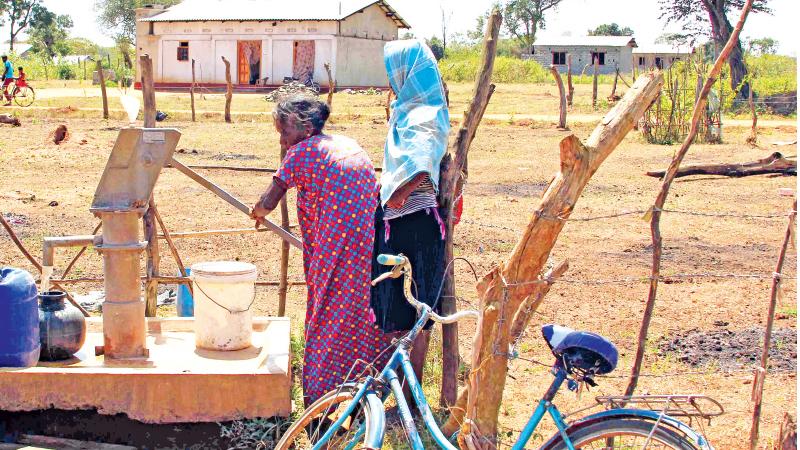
224, 292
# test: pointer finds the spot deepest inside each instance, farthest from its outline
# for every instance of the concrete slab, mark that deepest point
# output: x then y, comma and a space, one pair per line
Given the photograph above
177, 383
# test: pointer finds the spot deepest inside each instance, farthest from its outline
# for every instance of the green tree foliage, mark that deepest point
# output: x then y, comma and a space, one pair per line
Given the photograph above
524, 18
436, 47
48, 33
762, 46
118, 18
82, 46
710, 18
19, 14
611, 29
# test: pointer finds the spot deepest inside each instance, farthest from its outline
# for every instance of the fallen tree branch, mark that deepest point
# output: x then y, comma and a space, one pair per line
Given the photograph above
774, 163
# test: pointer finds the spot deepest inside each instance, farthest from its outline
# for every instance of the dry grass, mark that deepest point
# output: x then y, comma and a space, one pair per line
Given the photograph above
511, 164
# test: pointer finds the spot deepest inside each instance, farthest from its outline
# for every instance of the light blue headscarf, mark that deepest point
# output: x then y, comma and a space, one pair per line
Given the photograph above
420, 122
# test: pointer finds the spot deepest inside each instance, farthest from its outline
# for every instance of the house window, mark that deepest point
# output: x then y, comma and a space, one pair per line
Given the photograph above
559, 58
659, 62
152, 28
600, 57
641, 61
183, 51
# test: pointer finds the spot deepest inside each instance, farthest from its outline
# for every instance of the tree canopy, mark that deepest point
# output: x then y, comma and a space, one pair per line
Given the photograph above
118, 17
762, 46
524, 18
611, 29
19, 14
49, 32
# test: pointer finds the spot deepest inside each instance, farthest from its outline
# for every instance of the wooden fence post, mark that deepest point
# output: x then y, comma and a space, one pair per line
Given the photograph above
283, 285
150, 229
595, 62
562, 107
761, 371
229, 91
331, 86
191, 92
753, 138
452, 178
613, 96
103, 93
655, 222
570, 87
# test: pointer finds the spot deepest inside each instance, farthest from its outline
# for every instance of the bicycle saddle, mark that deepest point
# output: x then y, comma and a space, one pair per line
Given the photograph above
582, 350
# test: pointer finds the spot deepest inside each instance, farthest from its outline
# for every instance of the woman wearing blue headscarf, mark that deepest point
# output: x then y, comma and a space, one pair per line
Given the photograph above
408, 220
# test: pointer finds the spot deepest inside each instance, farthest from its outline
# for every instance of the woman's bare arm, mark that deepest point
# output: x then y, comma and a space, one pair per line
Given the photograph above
400, 196
269, 200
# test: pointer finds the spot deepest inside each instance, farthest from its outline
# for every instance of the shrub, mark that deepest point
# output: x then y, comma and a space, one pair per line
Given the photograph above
65, 71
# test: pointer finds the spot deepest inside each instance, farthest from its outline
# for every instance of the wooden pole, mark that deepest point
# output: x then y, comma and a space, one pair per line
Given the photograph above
594, 81
570, 87
228, 91
753, 138
655, 222
103, 93
284, 279
191, 92
453, 175
761, 372
148, 91
562, 110
331, 86
505, 289
613, 96
153, 258
389, 99
170, 243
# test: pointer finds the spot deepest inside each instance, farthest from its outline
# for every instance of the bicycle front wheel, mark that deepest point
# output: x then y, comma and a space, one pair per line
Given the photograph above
24, 96
627, 434
315, 420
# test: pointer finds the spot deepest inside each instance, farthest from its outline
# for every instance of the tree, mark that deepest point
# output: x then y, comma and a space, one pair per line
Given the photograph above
763, 46
436, 47
523, 18
675, 39
118, 17
446, 16
695, 16
610, 29
19, 14
48, 33
82, 46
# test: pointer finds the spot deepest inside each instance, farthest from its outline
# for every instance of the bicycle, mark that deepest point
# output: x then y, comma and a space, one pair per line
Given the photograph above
23, 93
352, 416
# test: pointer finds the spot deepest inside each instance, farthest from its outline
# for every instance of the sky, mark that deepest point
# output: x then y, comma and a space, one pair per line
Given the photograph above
573, 17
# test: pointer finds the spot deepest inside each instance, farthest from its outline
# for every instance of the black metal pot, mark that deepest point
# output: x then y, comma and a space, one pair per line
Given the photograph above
62, 327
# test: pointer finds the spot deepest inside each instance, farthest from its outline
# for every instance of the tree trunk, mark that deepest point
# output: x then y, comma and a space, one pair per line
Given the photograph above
562, 107
228, 91
570, 87
722, 29
504, 291
452, 177
787, 435
103, 93
774, 163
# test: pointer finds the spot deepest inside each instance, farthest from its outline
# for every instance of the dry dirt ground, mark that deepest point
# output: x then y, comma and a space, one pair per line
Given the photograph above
511, 163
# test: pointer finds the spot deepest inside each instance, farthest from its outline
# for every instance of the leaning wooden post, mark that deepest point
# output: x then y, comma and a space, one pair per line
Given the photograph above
331, 85
103, 93
170, 243
191, 92
753, 138
150, 229
389, 99
595, 60
228, 91
761, 371
613, 95
655, 222
452, 178
570, 87
562, 110
283, 285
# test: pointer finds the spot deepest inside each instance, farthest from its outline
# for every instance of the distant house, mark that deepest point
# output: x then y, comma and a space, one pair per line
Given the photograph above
659, 56
611, 52
21, 49
267, 41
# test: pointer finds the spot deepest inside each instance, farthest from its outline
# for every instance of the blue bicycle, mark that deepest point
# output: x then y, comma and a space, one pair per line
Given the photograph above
353, 416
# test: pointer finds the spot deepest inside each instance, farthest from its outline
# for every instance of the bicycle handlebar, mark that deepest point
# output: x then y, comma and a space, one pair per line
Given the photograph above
402, 267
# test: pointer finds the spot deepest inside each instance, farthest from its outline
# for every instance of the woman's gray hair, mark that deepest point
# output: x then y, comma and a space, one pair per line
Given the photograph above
305, 110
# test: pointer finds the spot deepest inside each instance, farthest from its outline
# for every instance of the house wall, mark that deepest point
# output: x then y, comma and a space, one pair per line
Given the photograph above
582, 56
650, 59
359, 62
372, 23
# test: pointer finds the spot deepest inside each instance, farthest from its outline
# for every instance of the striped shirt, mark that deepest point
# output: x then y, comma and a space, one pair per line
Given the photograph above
423, 197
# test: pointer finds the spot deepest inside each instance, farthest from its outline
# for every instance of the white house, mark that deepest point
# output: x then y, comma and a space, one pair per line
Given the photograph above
612, 53
267, 41
659, 56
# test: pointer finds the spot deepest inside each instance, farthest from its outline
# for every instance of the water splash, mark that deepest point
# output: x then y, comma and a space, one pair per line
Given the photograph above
47, 273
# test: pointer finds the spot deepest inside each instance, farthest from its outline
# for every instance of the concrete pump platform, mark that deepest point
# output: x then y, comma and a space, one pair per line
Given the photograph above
177, 383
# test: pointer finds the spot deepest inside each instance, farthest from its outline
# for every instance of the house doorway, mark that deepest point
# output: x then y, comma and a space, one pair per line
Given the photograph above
303, 67
249, 62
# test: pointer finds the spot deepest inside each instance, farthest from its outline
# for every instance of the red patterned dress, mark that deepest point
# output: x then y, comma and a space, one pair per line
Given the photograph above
336, 199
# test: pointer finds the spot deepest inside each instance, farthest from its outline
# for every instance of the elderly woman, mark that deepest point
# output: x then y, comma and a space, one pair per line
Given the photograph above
336, 191
408, 219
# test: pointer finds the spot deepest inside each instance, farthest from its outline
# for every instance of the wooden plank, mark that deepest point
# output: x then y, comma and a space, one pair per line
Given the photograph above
235, 202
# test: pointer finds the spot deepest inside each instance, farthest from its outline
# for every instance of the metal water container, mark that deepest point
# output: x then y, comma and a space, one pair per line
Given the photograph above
19, 319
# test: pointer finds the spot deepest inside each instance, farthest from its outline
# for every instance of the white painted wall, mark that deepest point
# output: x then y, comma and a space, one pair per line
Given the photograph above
323, 54
372, 23
359, 62
282, 59
228, 49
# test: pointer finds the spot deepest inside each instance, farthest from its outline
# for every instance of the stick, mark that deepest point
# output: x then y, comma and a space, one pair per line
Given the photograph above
148, 91
80, 253
232, 168
655, 223
228, 91
153, 260
37, 265
570, 87
191, 91
758, 386
235, 202
172, 248
621, 78
389, 105
331, 86
562, 109
753, 138
103, 93
453, 174
284, 279
595, 63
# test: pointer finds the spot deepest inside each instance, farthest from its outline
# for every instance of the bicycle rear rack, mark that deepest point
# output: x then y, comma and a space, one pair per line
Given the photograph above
687, 406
